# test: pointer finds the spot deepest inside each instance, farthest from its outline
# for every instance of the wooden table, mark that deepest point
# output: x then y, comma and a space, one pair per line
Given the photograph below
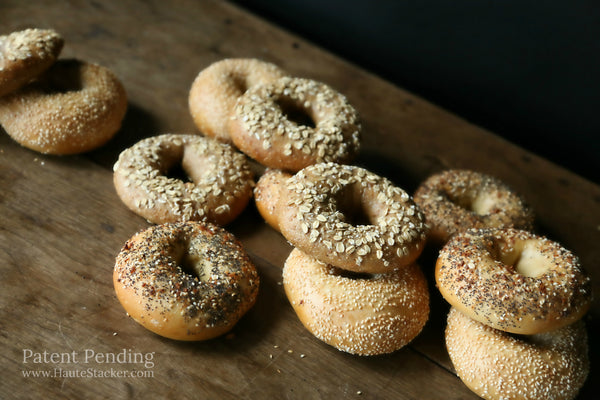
62, 223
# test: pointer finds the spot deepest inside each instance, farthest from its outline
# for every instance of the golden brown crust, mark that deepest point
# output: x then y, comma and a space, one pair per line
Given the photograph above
26, 54
497, 365
513, 280
267, 193
216, 89
263, 124
456, 200
221, 179
185, 281
73, 107
317, 217
364, 315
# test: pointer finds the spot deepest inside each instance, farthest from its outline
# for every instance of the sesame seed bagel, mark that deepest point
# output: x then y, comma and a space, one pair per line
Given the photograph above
216, 89
456, 200
72, 108
351, 218
185, 281
294, 122
267, 193
498, 365
26, 54
219, 190
357, 313
513, 280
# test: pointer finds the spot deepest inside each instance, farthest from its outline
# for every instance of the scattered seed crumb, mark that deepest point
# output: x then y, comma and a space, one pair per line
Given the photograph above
114, 333
278, 371
302, 355
271, 356
290, 351
359, 392
276, 346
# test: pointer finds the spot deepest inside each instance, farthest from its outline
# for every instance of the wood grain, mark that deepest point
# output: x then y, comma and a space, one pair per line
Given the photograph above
63, 224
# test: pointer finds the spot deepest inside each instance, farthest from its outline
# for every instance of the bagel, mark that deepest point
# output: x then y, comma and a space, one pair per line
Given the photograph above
26, 54
513, 280
291, 123
217, 88
219, 190
185, 281
351, 218
267, 193
456, 200
357, 313
74, 107
498, 365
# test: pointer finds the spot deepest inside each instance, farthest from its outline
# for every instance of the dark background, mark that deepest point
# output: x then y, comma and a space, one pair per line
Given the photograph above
528, 71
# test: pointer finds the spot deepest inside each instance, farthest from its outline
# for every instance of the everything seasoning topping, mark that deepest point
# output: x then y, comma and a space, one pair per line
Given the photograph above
456, 200
481, 268
200, 270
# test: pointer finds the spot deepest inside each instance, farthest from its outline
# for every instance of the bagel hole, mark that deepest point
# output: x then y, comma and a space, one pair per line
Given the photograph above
296, 113
348, 274
191, 265
531, 263
484, 203
464, 202
356, 211
478, 203
187, 255
525, 258
191, 262
175, 165
176, 171
239, 83
64, 76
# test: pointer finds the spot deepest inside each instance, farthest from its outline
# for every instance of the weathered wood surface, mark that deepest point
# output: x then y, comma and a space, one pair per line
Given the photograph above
62, 223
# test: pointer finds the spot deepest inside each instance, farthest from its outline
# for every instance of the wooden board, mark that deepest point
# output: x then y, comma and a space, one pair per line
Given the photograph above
62, 223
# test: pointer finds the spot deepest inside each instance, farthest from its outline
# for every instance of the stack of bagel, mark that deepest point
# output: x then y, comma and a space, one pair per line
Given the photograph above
352, 278
52, 105
514, 330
